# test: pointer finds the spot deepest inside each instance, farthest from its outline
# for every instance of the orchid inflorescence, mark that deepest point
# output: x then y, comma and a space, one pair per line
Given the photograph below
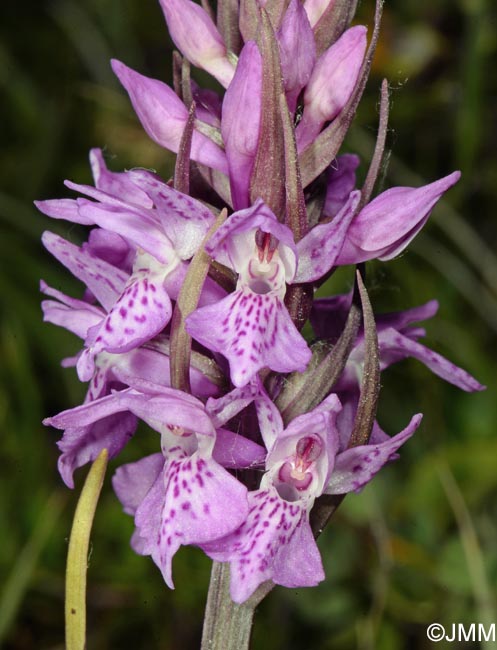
197, 290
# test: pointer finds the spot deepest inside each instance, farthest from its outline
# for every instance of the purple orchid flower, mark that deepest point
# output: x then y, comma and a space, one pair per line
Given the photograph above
397, 339
138, 307
304, 461
144, 234
112, 186
184, 495
150, 362
82, 444
387, 225
251, 327
162, 236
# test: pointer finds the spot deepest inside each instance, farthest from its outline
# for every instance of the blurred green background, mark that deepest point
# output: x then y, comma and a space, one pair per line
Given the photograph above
420, 543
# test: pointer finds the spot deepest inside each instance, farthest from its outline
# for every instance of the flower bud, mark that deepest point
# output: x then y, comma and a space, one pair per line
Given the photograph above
163, 116
240, 124
384, 227
297, 51
196, 36
332, 83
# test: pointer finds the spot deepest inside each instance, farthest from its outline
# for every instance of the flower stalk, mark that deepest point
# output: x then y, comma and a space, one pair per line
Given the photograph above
228, 625
77, 555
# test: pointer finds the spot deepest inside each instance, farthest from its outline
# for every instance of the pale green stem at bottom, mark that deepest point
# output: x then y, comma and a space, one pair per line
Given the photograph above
77, 556
227, 625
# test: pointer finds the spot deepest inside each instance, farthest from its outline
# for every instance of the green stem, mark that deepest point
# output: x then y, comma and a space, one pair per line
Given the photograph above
227, 625
181, 341
77, 555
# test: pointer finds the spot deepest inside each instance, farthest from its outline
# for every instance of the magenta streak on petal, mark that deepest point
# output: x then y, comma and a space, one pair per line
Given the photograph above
200, 502
275, 542
252, 331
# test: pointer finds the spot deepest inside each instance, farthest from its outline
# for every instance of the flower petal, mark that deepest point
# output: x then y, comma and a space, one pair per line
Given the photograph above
225, 408
167, 406
115, 183
133, 481
274, 543
201, 503
110, 247
77, 316
319, 250
198, 38
105, 281
297, 51
82, 444
331, 84
386, 225
66, 209
341, 182
236, 452
184, 220
236, 235
142, 311
135, 225
269, 417
394, 343
252, 331
357, 466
